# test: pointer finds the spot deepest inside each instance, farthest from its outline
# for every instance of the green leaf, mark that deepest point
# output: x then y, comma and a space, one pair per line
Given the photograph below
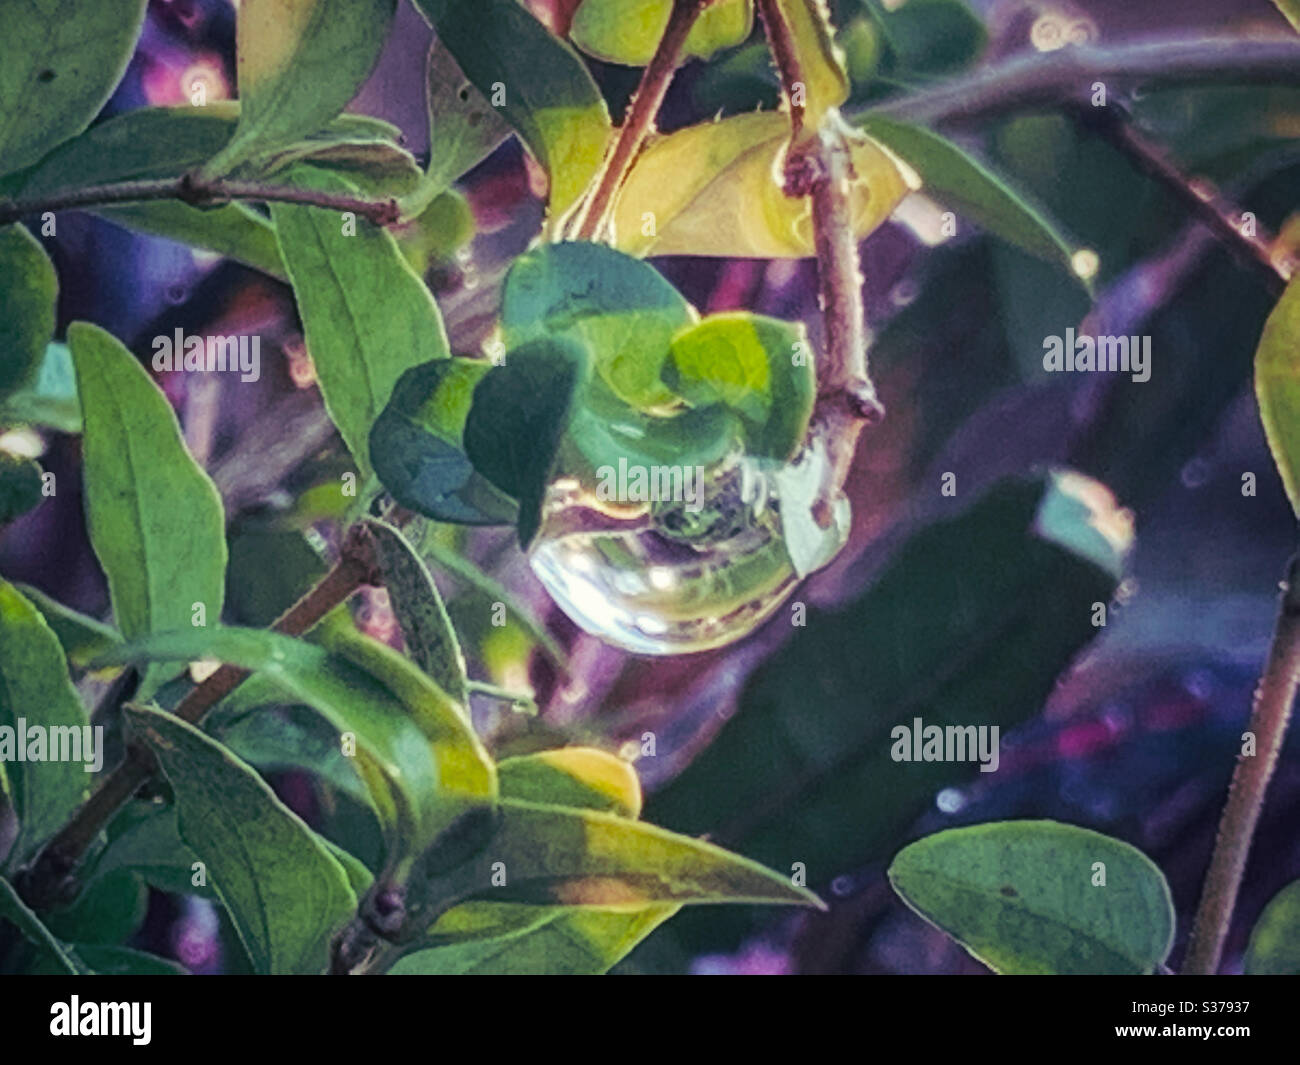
367, 316
924, 38
540, 84
519, 415
124, 961
17, 912
1277, 387
629, 31
300, 62
584, 777
464, 129
1290, 11
623, 311
713, 189
149, 844
823, 789
35, 692
155, 518
555, 855
420, 761
106, 911
417, 448
760, 367
28, 289
20, 486
82, 638
426, 629
49, 398
570, 943
961, 182
284, 890
1274, 947
59, 63
1039, 897
288, 737
235, 231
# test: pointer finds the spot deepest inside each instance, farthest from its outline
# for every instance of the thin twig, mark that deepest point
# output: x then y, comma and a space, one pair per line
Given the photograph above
196, 192
1200, 199
47, 880
639, 121
1268, 721
1048, 80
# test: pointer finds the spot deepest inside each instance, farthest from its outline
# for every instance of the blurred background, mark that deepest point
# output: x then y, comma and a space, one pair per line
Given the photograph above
939, 606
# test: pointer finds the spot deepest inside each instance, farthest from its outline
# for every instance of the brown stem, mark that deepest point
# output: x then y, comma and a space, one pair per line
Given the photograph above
639, 121
1268, 721
1198, 198
197, 192
47, 880
821, 167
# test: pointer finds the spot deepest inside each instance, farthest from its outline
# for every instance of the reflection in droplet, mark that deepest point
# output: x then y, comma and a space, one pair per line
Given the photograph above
671, 577
950, 800
1195, 473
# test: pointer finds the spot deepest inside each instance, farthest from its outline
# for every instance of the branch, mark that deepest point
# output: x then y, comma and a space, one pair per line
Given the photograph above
1268, 721
1199, 199
197, 192
47, 879
1046, 81
819, 165
638, 123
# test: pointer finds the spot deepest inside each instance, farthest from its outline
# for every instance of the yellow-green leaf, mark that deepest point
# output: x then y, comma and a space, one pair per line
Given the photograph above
573, 776
629, 31
299, 63
821, 63
1277, 386
714, 189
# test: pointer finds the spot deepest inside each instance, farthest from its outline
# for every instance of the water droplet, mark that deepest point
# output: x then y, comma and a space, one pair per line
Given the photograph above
675, 576
1195, 473
842, 886
950, 800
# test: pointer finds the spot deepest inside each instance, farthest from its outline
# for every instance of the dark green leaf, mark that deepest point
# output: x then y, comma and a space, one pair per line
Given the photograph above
426, 629
1039, 897
35, 692
417, 450
155, 518
20, 486
150, 845
366, 314
961, 182
518, 417
540, 84
235, 231
28, 289
283, 889
59, 62
928, 37
56, 954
